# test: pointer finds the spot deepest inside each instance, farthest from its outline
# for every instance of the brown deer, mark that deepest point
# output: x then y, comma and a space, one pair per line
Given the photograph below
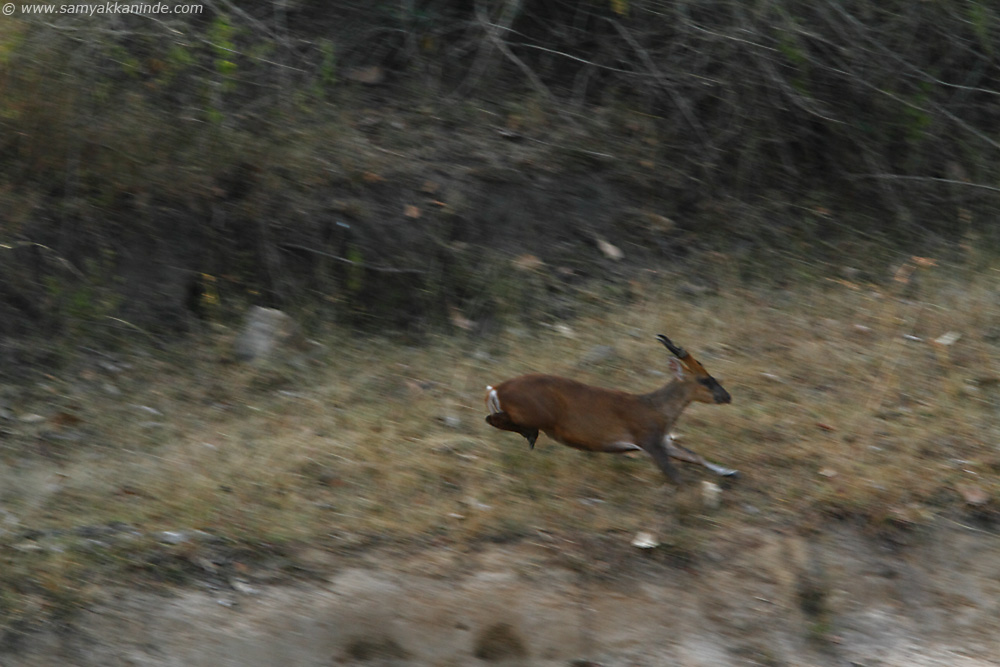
607, 420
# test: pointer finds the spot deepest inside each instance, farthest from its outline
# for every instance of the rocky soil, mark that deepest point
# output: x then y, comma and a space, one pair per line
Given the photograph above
757, 596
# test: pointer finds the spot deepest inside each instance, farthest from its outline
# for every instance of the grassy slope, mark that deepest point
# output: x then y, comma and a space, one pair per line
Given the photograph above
834, 413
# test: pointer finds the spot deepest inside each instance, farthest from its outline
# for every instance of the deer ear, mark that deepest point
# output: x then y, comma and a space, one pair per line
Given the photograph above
676, 368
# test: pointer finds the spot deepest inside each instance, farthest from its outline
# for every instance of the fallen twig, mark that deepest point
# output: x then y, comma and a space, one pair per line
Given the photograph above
338, 258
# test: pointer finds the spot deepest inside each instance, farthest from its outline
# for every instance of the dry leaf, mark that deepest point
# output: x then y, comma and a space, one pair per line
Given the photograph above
828, 472
371, 76
972, 494
610, 251
64, 420
371, 177
908, 514
460, 320
658, 223
430, 187
825, 427
846, 283
527, 263
412, 211
903, 273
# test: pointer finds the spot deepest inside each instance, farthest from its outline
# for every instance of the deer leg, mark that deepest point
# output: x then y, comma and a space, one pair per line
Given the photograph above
502, 420
685, 454
661, 457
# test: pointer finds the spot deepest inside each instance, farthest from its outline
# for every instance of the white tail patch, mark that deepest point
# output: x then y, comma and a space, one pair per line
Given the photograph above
492, 400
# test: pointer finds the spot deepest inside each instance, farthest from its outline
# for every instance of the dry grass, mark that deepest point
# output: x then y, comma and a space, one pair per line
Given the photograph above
834, 413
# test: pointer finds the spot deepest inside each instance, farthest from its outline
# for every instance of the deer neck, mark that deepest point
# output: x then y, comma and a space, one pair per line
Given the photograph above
672, 398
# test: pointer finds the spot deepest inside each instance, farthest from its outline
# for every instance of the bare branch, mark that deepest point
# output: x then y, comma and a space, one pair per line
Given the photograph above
679, 101
59, 259
344, 260
932, 179
493, 32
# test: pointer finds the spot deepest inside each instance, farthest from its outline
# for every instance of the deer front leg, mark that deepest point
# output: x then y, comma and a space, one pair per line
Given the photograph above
685, 454
655, 447
503, 421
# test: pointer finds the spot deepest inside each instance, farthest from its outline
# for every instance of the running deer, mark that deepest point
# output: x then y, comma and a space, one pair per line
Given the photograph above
606, 420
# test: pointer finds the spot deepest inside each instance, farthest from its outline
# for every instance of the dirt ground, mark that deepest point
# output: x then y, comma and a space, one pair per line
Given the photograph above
761, 597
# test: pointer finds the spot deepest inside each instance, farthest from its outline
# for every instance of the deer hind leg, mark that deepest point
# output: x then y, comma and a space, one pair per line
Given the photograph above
685, 454
502, 420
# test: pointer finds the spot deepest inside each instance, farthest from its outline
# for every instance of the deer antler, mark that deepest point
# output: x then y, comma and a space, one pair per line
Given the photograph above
679, 352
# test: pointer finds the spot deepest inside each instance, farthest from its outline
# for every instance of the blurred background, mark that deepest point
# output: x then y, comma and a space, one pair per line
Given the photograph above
429, 196
382, 163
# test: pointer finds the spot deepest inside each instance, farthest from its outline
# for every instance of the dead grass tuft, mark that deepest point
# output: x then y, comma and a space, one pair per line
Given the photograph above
842, 407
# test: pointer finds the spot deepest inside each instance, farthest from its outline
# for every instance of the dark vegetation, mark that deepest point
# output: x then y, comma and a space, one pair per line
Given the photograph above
414, 165
382, 163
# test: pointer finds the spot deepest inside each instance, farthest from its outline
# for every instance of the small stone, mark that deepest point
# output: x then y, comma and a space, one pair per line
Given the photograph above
173, 536
609, 250
243, 587
711, 494
265, 330
644, 540
948, 339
